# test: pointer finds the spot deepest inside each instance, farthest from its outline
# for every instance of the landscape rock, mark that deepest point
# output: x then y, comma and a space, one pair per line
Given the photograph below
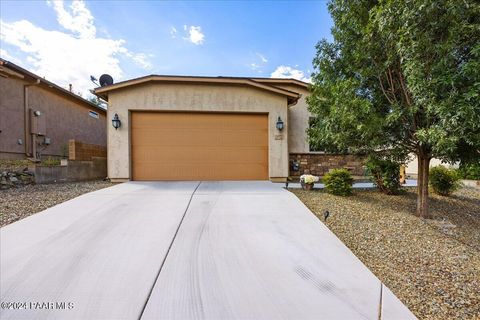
13, 179
19, 202
432, 265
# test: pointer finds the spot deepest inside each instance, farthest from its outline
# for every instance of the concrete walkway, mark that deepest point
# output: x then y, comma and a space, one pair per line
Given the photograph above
185, 250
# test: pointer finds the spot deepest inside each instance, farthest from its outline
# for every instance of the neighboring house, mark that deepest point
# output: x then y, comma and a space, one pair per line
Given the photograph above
411, 168
38, 118
210, 128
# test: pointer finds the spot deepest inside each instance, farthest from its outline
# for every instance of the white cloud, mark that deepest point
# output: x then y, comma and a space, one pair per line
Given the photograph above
5, 55
140, 59
70, 57
173, 32
289, 72
259, 62
195, 34
254, 66
262, 57
79, 20
192, 34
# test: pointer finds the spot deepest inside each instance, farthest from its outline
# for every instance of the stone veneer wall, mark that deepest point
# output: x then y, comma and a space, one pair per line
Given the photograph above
319, 164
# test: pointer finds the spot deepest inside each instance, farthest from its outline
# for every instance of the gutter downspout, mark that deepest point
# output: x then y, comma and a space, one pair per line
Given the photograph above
26, 119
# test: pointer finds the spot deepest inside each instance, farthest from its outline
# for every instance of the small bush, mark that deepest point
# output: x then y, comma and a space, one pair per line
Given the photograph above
13, 165
469, 171
443, 181
50, 162
385, 175
338, 182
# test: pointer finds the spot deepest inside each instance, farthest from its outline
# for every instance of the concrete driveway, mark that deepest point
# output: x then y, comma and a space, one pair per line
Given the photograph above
185, 250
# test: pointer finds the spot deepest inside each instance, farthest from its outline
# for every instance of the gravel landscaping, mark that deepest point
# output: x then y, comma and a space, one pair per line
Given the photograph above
433, 265
21, 202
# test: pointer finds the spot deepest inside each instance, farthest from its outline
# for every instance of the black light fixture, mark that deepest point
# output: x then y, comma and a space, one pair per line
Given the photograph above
116, 123
279, 124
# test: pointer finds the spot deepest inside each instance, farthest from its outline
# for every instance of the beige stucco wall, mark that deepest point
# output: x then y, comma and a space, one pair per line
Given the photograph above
411, 169
188, 97
298, 116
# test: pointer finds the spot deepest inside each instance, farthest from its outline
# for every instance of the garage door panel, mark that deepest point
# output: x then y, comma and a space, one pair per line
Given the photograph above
206, 137
201, 172
199, 146
177, 120
203, 155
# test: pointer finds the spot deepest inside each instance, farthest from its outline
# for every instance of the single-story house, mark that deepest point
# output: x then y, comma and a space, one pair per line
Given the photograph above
38, 117
212, 128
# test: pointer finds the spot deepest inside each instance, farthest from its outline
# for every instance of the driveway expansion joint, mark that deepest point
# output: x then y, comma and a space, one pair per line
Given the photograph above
168, 250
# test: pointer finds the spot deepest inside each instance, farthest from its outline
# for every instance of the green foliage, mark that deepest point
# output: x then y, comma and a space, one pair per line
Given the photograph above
96, 101
51, 162
400, 76
338, 182
444, 181
385, 174
13, 165
469, 171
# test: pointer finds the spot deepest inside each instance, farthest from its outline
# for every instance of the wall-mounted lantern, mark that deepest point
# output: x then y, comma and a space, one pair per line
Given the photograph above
116, 123
279, 124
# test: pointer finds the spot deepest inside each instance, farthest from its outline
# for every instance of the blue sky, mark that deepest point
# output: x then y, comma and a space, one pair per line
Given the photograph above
68, 41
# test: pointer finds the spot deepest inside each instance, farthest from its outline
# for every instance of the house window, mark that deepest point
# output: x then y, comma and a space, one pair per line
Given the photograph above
312, 122
93, 114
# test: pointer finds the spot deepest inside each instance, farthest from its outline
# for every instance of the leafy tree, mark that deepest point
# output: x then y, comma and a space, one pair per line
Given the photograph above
98, 102
401, 77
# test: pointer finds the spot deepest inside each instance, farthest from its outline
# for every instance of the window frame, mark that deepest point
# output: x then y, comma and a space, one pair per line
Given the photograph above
94, 114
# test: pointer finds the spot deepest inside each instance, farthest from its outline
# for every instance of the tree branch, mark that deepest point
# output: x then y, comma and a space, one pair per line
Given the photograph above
392, 84
404, 89
383, 90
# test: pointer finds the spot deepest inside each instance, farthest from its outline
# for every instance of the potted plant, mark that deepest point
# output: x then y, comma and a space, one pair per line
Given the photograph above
308, 181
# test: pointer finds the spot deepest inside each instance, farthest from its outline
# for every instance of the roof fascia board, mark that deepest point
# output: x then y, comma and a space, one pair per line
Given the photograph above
283, 81
183, 79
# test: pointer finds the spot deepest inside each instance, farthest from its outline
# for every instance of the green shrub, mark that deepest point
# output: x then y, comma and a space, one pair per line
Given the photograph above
13, 165
469, 171
50, 162
443, 181
385, 174
338, 182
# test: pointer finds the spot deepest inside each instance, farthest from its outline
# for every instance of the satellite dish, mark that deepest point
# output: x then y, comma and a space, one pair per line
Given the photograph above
105, 80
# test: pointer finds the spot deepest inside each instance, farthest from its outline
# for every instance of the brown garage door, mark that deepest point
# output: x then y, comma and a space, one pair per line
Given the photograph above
199, 146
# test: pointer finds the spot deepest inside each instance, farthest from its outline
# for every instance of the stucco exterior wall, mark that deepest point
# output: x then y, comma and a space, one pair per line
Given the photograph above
411, 169
66, 118
200, 98
11, 118
298, 117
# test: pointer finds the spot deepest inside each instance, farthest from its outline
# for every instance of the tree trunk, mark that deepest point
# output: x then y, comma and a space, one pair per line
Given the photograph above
422, 188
